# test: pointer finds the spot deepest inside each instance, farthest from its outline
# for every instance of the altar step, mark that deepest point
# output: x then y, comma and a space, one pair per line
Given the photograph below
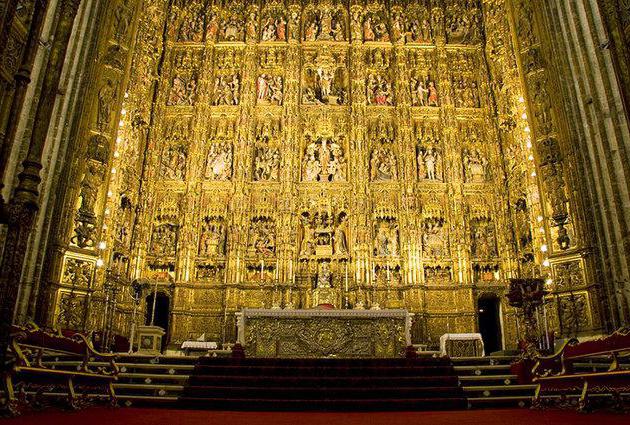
149, 380
323, 384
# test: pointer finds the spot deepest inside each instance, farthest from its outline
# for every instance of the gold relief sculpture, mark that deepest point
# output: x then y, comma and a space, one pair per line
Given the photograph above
371, 151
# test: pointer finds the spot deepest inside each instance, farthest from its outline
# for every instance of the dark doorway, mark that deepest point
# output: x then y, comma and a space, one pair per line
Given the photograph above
489, 322
162, 313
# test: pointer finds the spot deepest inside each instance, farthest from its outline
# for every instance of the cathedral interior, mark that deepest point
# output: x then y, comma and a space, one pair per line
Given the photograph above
185, 159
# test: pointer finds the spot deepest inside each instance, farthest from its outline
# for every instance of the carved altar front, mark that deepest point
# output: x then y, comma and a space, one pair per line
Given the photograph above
324, 333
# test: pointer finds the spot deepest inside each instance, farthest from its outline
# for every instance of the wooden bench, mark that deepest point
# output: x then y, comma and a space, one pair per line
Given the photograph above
50, 362
555, 375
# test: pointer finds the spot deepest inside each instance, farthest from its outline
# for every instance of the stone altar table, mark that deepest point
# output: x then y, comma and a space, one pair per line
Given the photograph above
324, 333
462, 345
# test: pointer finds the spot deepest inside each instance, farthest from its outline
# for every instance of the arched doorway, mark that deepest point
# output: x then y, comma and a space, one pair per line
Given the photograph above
488, 310
162, 313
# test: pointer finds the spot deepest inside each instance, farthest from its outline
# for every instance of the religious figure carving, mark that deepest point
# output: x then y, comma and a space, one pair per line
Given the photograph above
307, 246
232, 29
324, 275
475, 166
263, 235
462, 24
324, 161
89, 187
340, 236
324, 84
173, 162
482, 237
182, 91
227, 89
212, 239
219, 162
106, 96
164, 240
383, 165
266, 164
379, 90
429, 165
386, 239
434, 237
269, 89
274, 28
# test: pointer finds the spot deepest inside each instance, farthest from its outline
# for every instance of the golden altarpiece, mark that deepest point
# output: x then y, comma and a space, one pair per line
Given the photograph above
401, 154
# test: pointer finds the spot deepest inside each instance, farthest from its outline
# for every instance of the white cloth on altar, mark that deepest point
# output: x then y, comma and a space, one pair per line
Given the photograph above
199, 345
460, 337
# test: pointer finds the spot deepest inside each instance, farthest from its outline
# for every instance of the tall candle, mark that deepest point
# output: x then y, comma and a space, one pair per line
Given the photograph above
262, 267
291, 270
346, 276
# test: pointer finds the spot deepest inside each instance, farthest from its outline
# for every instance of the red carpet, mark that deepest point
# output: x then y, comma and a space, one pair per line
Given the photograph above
136, 416
345, 385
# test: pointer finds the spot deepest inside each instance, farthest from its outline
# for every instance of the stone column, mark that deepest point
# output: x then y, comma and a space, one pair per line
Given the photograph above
22, 209
22, 80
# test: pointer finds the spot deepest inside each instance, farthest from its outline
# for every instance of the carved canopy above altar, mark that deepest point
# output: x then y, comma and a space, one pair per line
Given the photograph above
324, 333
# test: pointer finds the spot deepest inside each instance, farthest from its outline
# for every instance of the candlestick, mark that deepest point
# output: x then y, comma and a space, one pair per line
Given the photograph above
545, 325
346, 276
262, 267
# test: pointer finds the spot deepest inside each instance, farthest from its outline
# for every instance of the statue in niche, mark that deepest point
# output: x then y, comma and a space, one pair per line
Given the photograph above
89, 188
340, 236
122, 20
266, 164
429, 164
379, 90
324, 161
269, 89
274, 28
462, 26
251, 29
482, 237
324, 275
226, 90
336, 164
212, 27
263, 236
307, 246
356, 28
325, 25
433, 237
383, 165
475, 166
219, 162
423, 92
164, 239
419, 29
324, 85
386, 240
182, 92
433, 99
312, 165
191, 27
106, 96
125, 209
213, 237
173, 162
294, 25
398, 32
232, 29
368, 30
